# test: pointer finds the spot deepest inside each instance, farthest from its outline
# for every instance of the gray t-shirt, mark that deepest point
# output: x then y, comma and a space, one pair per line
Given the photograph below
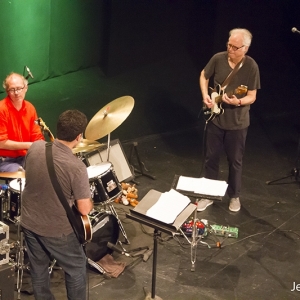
41, 209
234, 117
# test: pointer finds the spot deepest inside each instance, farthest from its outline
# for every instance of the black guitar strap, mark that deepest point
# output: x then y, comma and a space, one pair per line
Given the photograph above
73, 221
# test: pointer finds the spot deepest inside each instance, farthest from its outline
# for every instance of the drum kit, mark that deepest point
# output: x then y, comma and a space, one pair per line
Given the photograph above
104, 184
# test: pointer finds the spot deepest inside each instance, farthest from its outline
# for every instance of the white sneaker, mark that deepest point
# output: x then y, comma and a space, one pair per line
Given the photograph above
235, 204
203, 203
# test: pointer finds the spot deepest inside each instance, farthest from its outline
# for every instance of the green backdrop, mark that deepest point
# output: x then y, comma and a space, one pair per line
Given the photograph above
51, 37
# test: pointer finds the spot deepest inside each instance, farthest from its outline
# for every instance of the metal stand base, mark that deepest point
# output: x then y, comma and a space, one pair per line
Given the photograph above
148, 295
294, 173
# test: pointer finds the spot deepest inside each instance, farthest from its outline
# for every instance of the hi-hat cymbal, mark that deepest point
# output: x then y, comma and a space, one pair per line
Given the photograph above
108, 118
18, 174
85, 146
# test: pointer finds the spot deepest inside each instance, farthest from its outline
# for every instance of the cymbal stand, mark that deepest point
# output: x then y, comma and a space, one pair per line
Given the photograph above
142, 167
108, 147
122, 229
20, 246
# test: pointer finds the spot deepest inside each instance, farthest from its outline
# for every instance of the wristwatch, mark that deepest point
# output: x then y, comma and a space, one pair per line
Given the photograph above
240, 102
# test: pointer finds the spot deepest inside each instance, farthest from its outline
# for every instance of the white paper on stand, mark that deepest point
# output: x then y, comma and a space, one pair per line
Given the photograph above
168, 206
202, 186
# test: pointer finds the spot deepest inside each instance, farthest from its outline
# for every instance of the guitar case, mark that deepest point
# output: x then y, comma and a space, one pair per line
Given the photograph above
105, 229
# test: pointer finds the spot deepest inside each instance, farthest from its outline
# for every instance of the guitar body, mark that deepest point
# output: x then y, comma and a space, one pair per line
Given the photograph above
216, 97
85, 234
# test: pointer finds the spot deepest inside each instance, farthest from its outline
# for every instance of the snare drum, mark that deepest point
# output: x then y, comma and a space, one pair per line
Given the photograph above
14, 196
105, 186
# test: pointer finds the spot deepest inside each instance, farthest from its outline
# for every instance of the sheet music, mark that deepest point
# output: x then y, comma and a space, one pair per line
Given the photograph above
168, 207
202, 186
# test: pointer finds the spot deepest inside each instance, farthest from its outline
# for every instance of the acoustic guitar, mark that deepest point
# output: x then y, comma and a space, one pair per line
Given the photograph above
85, 233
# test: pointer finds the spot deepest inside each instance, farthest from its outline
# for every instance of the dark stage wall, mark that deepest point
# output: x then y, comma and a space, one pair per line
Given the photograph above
85, 53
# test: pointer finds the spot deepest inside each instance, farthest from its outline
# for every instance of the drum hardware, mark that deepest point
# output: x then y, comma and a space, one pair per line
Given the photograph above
16, 186
108, 118
108, 208
19, 245
4, 209
12, 175
103, 123
137, 252
104, 184
105, 229
122, 229
86, 146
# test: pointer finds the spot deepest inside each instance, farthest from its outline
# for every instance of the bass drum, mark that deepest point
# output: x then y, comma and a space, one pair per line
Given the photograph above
105, 229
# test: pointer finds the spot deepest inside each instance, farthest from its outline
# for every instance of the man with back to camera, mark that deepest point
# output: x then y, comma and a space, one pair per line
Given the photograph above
228, 131
47, 229
18, 129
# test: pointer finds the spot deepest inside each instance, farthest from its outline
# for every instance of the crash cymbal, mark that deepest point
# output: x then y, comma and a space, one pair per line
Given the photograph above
109, 117
18, 174
86, 146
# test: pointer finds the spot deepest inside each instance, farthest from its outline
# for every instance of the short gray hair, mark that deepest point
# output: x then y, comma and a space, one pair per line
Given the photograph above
5, 85
247, 35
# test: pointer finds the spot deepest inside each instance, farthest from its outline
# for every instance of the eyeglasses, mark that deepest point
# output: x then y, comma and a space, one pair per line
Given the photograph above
16, 90
234, 48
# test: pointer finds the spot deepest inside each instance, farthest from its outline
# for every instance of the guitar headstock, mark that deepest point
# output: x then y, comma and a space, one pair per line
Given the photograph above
242, 89
44, 127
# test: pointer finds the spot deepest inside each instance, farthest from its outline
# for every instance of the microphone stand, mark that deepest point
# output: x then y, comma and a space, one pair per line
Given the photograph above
294, 172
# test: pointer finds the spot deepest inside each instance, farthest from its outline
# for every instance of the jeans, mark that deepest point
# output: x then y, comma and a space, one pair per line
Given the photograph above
11, 164
233, 142
69, 255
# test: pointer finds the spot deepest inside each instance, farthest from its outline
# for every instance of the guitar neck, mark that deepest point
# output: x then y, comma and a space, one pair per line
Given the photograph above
238, 91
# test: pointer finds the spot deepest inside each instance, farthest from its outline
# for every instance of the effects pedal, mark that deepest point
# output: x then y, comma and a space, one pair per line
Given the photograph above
225, 231
187, 227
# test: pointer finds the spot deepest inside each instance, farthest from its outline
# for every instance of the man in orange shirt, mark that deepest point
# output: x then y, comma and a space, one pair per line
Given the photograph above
18, 129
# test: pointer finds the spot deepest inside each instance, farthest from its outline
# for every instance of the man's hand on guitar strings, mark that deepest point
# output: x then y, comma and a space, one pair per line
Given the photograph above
232, 100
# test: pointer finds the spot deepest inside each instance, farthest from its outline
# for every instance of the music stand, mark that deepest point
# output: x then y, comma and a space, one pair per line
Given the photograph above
139, 214
192, 194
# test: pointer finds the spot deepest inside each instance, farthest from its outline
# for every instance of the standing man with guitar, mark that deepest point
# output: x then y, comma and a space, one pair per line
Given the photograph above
47, 229
227, 128
18, 129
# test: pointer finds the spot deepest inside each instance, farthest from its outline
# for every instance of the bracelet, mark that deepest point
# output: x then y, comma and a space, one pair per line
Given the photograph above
240, 102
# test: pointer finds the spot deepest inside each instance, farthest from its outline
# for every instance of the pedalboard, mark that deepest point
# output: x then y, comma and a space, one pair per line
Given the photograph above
226, 231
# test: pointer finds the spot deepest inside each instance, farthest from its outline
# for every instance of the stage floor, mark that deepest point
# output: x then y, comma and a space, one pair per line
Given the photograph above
262, 263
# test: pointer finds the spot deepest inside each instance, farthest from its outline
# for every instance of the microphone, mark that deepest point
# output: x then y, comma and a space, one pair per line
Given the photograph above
294, 29
29, 73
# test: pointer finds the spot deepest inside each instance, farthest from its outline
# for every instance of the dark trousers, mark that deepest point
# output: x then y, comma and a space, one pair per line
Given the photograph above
233, 143
69, 255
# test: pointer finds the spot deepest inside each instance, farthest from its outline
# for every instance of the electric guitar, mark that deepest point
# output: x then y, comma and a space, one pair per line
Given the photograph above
215, 96
83, 229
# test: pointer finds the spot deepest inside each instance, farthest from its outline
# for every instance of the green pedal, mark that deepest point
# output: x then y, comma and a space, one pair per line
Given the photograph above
225, 230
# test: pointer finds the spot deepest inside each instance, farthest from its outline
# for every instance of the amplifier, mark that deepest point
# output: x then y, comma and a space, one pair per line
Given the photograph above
4, 244
7, 282
116, 156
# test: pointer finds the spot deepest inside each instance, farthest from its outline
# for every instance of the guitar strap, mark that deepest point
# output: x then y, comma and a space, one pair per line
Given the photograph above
232, 73
73, 221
